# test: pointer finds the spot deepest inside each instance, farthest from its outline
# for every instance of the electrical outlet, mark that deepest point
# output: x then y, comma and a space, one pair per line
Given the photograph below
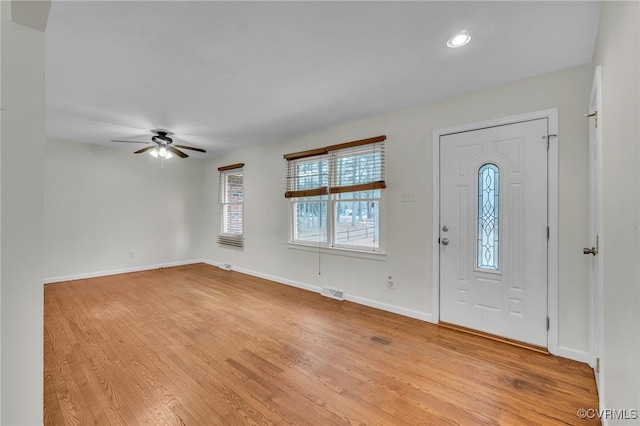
390, 283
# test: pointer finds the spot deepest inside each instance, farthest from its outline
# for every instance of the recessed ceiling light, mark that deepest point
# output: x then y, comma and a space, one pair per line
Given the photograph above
458, 40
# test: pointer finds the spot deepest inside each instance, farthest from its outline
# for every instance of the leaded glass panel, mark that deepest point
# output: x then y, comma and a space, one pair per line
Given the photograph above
488, 216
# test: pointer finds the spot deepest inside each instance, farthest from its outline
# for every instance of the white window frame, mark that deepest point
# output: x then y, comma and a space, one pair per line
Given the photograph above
334, 208
332, 201
230, 238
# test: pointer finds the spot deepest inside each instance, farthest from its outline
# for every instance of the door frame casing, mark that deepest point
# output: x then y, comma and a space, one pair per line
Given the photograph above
552, 213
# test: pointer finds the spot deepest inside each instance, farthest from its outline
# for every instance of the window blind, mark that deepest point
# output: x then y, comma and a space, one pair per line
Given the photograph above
346, 167
307, 176
357, 167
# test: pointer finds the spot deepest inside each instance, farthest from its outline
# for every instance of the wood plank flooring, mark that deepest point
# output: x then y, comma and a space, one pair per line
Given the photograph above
197, 345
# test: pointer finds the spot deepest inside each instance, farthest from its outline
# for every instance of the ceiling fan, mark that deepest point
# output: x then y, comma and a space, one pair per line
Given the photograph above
161, 146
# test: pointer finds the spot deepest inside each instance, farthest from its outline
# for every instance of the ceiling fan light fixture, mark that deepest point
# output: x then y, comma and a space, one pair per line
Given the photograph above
161, 152
459, 40
163, 148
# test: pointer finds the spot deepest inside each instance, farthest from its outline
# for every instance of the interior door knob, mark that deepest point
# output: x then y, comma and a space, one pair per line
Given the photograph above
445, 241
591, 250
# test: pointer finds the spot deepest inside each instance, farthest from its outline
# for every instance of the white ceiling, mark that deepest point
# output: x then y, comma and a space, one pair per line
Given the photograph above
229, 75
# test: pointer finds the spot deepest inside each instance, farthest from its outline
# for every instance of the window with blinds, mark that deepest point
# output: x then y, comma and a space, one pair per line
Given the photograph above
231, 199
336, 192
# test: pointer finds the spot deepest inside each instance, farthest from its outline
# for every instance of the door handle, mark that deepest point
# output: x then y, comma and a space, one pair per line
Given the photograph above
592, 250
445, 241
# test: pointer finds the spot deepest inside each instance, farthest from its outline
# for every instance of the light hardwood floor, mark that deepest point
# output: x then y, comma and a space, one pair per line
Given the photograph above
197, 345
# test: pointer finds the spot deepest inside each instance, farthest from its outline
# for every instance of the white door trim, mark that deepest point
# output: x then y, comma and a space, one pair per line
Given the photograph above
552, 119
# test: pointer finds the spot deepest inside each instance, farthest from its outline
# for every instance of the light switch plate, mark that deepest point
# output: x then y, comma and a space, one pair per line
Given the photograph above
408, 197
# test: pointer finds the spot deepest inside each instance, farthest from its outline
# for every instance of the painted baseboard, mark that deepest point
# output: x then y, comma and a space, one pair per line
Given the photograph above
351, 298
119, 271
574, 354
280, 280
411, 313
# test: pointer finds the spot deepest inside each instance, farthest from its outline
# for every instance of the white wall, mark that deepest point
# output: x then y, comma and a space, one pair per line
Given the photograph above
617, 51
21, 195
409, 168
101, 202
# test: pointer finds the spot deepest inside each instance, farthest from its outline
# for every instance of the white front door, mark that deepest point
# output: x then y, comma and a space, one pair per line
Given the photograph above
493, 230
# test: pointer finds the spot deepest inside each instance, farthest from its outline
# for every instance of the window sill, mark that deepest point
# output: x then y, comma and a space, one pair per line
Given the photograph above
339, 251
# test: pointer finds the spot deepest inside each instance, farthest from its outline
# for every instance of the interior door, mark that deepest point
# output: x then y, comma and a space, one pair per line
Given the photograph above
594, 250
493, 230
